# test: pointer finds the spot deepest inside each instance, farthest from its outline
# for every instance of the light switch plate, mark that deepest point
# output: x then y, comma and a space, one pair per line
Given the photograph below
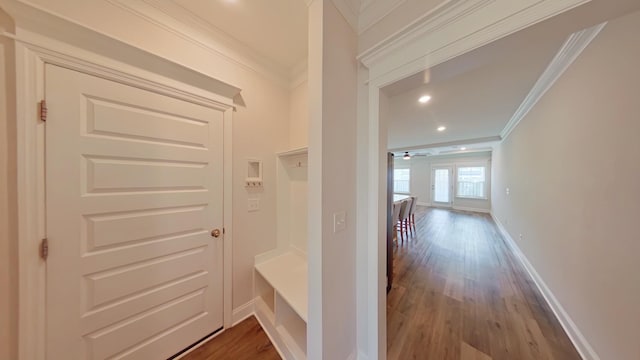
254, 205
339, 221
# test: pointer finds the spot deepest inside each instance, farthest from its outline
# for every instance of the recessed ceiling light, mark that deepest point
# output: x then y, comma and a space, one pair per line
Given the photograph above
424, 99
442, 128
463, 148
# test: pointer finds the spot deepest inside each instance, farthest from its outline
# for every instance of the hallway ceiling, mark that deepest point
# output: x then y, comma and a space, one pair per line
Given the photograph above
476, 94
276, 29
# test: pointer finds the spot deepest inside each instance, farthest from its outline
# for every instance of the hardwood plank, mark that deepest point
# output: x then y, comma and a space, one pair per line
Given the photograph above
245, 341
460, 293
470, 353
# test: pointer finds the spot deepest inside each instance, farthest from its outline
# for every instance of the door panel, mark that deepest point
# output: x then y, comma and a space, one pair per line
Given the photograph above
442, 186
133, 188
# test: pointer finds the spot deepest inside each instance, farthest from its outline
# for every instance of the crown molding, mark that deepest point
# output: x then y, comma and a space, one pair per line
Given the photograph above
568, 53
443, 14
448, 143
174, 18
418, 46
464, 152
350, 14
60, 40
371, 12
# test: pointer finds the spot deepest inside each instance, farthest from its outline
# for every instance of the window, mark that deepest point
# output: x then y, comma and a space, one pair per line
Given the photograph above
471, 182
401, 178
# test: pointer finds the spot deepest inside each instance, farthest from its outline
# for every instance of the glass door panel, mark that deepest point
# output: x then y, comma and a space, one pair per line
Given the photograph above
441, 189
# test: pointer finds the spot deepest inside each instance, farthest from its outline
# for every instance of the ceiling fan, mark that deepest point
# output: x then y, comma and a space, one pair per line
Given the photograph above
408, 155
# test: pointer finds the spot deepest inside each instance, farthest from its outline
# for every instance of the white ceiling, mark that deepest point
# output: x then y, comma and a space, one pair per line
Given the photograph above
276, 29
476, 94
473, 95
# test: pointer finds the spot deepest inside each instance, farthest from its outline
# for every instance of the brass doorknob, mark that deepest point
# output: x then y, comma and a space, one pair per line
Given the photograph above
215, 233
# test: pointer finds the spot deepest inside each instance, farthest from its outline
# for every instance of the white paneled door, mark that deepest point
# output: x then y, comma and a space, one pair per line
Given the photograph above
442, 186
133, 191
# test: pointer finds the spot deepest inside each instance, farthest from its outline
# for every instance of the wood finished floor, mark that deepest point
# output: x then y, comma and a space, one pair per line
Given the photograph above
459, 293
245, 341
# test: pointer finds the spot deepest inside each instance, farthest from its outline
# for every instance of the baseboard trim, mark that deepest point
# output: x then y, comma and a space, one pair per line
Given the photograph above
576, 337
463, 208
242, 312
423, 203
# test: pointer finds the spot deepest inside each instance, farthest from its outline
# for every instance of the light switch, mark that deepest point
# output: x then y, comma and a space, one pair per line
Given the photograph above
254, 205
339, 221
507, 191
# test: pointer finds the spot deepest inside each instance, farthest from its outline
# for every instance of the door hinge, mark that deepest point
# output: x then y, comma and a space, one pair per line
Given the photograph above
223, 231
44, 249
43, 110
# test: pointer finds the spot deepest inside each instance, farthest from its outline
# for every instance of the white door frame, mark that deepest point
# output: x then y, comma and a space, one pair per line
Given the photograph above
452, 172
33, 51
452, 29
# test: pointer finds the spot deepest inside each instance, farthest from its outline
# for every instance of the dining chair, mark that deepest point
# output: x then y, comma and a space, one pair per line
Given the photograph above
412, 213
398, 221
395, 218
404, 216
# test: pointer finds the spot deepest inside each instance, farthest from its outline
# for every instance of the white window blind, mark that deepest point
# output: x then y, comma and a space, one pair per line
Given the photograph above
471, 182
401, 180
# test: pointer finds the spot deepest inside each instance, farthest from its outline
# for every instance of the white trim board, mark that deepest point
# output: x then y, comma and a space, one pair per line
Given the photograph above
408, 51
178, 20
242, 312
579, 341
414, 29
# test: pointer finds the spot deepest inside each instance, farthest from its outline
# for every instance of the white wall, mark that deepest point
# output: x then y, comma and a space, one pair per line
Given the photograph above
420, 183
260, 128
332, 183
573, 169
299, 116
299, 189
8, 207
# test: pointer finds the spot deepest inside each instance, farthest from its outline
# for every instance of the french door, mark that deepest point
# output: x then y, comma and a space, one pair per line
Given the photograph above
442, 186
133, 191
